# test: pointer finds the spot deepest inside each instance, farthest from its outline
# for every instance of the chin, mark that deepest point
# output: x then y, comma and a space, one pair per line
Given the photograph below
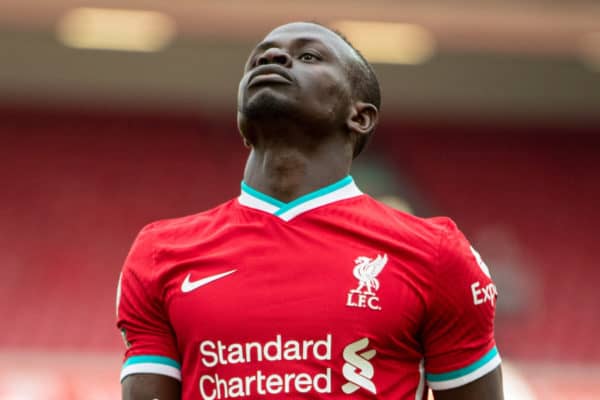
267, 103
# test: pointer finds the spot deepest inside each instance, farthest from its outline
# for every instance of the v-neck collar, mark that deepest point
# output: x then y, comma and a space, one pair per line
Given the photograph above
340, 190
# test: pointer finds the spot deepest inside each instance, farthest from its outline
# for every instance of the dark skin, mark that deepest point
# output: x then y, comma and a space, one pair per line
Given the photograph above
304, 138
300, 120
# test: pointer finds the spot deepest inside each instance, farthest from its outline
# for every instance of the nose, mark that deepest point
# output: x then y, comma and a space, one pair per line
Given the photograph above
274, 55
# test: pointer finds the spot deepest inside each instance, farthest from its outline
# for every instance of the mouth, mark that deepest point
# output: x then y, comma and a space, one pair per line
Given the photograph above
268, 75
267, 79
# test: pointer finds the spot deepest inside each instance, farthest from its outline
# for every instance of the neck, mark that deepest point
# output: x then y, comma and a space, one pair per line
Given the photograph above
287, 172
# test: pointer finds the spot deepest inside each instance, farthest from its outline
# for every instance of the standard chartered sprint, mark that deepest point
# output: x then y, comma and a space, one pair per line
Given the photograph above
214, 353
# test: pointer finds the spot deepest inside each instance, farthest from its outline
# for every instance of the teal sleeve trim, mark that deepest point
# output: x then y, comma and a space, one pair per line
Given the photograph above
466, 370
152, 360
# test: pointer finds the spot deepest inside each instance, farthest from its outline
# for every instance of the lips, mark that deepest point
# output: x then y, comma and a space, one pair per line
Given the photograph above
269, 74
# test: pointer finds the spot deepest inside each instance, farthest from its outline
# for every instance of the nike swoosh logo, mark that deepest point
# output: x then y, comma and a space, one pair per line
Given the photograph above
187, 285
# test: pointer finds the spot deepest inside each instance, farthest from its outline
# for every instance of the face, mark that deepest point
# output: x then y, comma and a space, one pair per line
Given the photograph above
297, 72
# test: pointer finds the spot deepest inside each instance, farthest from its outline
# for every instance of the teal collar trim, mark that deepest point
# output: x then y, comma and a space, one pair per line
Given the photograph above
264, 197
342, 189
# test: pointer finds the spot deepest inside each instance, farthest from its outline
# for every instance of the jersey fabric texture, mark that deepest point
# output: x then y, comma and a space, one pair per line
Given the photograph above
333, 295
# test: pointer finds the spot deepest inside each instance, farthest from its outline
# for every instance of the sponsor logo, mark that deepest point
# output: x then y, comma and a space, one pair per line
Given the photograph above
366, 271
357, 369
486, 293
215, 354
480, 262
187, 285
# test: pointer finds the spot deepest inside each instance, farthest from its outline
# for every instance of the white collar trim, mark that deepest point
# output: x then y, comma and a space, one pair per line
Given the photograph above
341, 190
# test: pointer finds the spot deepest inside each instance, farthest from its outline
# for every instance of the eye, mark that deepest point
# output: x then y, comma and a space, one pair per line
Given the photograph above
308, 57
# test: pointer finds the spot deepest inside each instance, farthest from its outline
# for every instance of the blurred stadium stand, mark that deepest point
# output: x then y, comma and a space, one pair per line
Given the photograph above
500, 130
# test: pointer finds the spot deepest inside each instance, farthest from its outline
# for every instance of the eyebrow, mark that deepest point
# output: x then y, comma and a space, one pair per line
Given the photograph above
299, 41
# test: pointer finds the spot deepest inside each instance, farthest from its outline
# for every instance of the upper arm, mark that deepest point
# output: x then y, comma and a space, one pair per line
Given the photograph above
458, 335
152, 359
149, 387
488, 387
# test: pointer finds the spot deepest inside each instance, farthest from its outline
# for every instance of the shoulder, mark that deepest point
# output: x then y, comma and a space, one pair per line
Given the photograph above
177, 229
169, 234
428, 233
437, 242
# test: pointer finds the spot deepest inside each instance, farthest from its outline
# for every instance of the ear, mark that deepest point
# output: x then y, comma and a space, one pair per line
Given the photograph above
363, 118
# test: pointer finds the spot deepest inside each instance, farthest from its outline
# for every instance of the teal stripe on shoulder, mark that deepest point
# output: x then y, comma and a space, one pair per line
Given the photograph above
264, 197
466, 370
317, 193
152, 360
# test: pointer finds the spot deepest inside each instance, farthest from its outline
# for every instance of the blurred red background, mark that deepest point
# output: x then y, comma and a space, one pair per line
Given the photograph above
496, 126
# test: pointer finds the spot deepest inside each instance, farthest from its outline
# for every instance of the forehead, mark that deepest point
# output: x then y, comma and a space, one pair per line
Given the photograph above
308, 32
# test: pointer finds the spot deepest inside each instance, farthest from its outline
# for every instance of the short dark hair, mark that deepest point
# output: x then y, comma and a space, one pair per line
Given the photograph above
364, 83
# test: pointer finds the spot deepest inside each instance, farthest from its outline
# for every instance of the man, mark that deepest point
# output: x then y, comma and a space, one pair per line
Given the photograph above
303, 287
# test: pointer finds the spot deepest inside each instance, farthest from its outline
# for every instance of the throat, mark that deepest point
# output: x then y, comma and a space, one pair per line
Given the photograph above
287, 174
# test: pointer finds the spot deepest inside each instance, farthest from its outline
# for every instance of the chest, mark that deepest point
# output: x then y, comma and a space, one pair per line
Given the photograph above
302, 287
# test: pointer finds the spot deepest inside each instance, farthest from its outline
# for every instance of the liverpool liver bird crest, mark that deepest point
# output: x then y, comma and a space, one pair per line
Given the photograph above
366, 271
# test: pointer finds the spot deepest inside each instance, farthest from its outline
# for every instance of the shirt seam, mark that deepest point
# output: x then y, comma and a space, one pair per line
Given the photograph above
433, 288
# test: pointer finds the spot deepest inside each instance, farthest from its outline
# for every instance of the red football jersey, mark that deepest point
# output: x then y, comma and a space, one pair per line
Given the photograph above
333, 295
